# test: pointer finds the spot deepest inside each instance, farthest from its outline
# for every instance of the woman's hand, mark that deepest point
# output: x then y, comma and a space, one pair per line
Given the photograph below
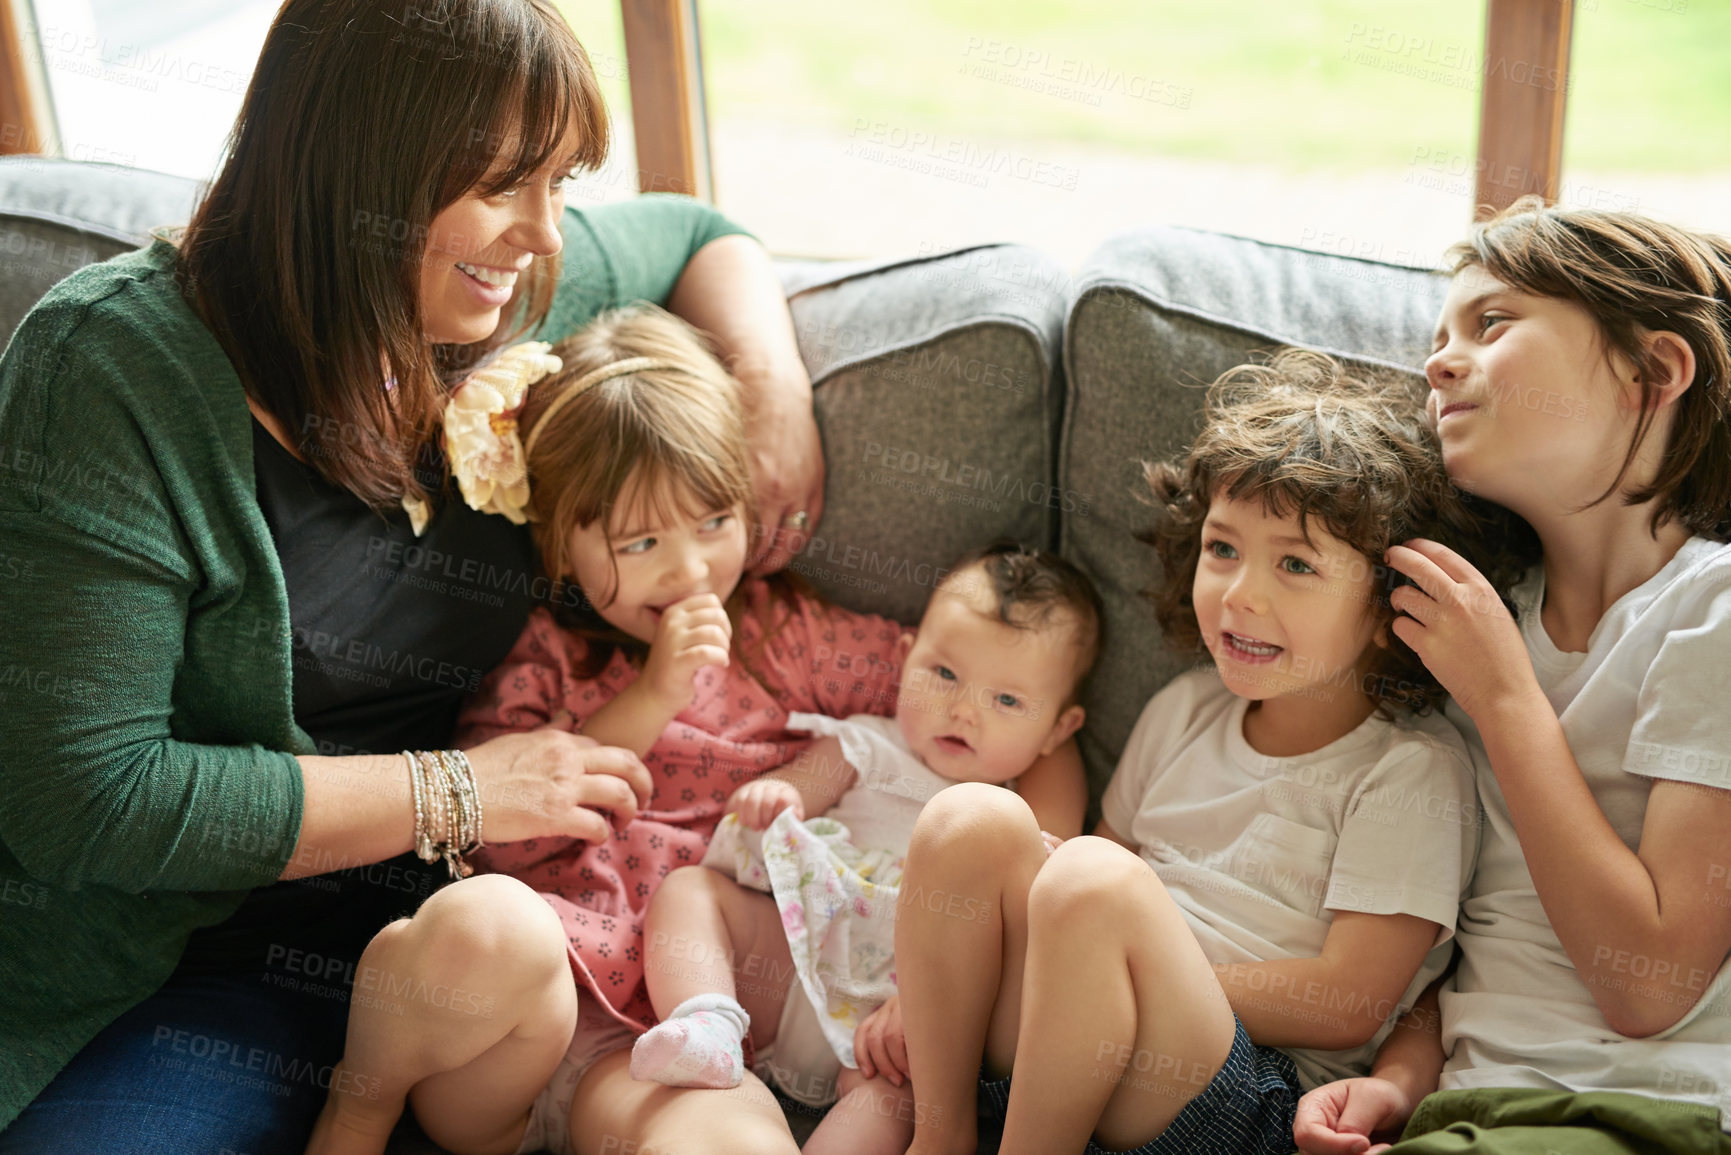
1341, 1118
546, 782
760, 800
691, 634
879, 1047
787, 471
1459, 627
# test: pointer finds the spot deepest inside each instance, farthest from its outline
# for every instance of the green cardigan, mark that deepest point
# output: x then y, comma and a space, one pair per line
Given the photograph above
147, 736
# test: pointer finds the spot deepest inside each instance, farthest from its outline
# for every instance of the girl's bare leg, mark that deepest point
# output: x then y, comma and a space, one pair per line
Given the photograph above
872, 1117
614, 1114
706, 934
1123, 1020
467, 1007
961, 932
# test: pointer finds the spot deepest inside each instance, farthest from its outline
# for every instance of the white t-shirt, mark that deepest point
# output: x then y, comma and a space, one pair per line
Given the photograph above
1258, 852
1649, 699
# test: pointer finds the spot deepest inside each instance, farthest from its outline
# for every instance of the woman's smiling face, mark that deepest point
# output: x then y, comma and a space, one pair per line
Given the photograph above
478, 246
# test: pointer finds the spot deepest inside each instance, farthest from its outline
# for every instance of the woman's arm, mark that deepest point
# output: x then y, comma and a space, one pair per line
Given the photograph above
100, 780
1638, 925
729, 289
536, 784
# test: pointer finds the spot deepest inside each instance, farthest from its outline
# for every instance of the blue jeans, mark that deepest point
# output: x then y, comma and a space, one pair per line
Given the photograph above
233, 1055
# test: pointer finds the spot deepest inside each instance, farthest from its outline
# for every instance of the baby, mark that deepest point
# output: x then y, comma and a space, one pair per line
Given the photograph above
989, 684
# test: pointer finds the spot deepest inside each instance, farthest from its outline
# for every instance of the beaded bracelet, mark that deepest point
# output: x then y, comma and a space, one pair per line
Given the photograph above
447, 807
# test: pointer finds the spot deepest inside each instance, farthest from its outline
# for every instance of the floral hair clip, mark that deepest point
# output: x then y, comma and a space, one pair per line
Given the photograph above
481, 440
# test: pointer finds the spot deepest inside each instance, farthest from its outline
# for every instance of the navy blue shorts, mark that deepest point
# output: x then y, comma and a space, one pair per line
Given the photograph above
1246, 1109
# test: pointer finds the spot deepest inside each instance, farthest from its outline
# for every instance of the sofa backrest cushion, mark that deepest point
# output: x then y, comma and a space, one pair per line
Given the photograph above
59, 215
1157, 314
935, 396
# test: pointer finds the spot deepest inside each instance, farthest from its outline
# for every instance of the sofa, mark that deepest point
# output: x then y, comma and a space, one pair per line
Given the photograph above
961, 395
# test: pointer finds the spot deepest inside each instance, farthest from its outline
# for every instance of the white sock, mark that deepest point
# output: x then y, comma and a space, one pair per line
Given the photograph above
701, 1044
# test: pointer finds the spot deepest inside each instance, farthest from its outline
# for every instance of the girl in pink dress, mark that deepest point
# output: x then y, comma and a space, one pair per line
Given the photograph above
660, 643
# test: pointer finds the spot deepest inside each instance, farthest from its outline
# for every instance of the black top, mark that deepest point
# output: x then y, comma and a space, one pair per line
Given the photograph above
391, 632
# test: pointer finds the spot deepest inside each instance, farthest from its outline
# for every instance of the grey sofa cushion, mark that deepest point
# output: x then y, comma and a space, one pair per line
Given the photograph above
58, 215
935, 400
1158, 314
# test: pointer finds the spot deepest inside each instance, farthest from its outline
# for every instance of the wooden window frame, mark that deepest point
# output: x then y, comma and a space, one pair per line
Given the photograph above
1521, 102
26, 116
1525, 90
663, 52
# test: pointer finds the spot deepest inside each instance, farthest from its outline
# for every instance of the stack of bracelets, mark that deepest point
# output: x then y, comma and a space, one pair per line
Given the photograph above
443, 783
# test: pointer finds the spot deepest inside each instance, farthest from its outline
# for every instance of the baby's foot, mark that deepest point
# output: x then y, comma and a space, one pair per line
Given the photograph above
701, 1044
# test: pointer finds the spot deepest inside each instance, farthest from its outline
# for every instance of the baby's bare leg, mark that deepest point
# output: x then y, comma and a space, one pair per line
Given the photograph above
1123, 1019
872, 1117
466, 1008
961, 932
706, 934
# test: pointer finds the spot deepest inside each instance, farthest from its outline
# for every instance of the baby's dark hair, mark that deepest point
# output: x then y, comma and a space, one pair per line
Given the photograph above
1031, 586
1351, 448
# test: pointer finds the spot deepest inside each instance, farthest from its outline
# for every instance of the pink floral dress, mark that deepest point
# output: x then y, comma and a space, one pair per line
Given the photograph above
815, 659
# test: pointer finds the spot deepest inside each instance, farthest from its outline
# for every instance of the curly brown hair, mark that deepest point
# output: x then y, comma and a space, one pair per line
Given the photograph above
1352, 448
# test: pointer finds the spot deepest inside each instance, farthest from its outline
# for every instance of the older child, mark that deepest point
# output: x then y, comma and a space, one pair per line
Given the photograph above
989, 686
1581, 379
639, 490
1283, 846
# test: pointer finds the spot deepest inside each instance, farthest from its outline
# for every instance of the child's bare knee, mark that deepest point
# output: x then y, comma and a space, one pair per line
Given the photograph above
971, 813
1087, 878
490, 921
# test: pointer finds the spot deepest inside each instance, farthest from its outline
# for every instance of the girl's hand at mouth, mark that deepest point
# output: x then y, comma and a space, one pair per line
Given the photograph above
689, 635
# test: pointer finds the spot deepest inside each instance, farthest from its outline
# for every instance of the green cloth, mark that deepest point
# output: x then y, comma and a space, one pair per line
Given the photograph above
147, 735
1531, 1122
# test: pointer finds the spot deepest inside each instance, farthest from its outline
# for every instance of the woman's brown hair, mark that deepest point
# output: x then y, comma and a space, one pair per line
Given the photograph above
362, 121
1306, 436
1635, 277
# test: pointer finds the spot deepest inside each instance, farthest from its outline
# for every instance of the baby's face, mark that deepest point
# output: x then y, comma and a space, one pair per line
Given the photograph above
980, 700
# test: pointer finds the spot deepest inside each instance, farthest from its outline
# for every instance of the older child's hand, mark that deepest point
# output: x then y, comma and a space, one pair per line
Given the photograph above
879, 1047
1458, 626
759, 801
691, 634
1339, 1118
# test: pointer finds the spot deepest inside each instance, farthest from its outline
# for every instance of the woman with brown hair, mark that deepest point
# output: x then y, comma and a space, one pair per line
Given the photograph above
254, 602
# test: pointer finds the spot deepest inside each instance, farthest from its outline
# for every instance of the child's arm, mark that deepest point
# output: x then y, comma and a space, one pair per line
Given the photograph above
813, 782
1339, 999
1613, 909
1056, 790
1339, 1118
691, 634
